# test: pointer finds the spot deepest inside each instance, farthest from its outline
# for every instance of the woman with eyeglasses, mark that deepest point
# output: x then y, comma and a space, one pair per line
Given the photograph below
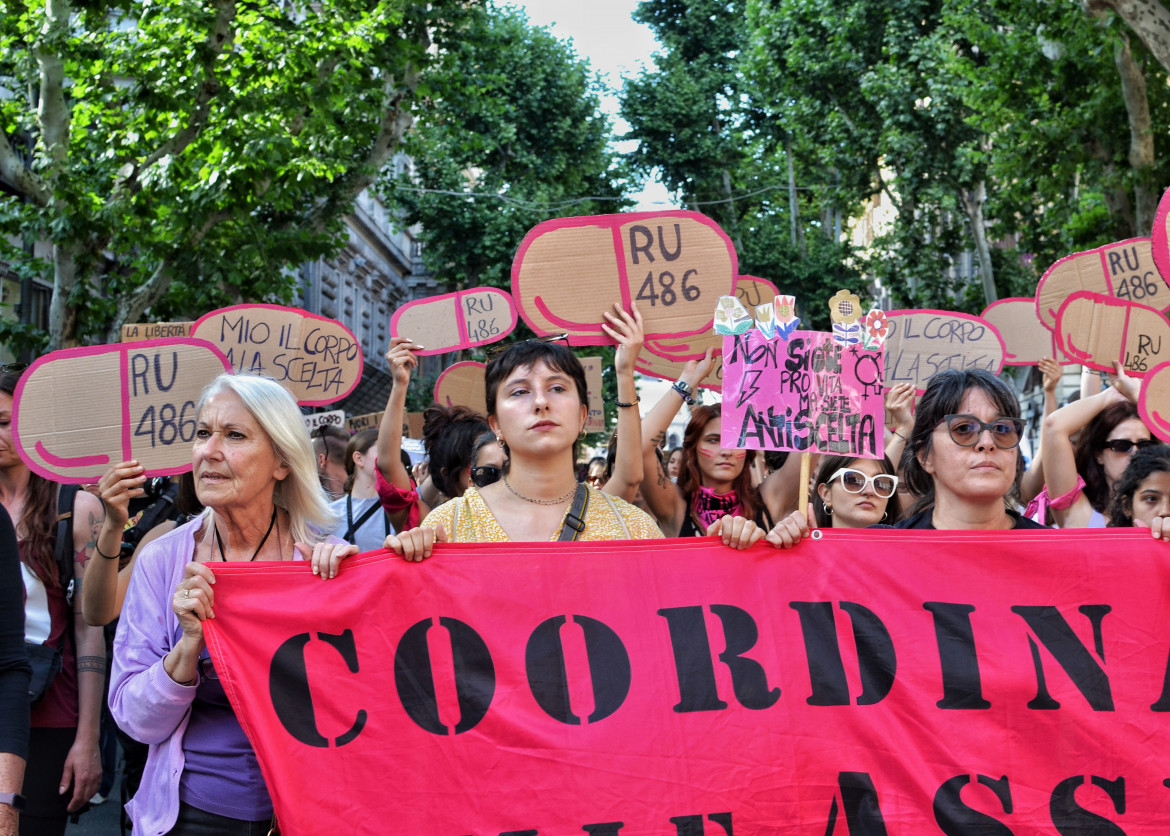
855, 493
962, 461
1079, 479
487, 460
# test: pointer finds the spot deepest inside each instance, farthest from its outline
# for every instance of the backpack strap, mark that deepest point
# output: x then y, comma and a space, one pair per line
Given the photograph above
574, 523
63, 538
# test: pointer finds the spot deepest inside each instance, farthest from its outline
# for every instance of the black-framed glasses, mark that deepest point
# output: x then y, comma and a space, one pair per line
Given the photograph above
1124, 445
491, 351
485, 474
207, 668
13, 368
965, 430
854, 481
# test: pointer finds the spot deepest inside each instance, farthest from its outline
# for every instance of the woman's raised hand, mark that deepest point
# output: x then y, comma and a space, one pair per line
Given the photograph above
326, 557
402, 359
120, 484
1123, 383
900, 404
736, 532
626, 330
416, 544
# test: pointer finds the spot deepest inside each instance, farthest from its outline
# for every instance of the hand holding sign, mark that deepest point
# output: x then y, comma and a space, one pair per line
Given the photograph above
133, 401
464, 319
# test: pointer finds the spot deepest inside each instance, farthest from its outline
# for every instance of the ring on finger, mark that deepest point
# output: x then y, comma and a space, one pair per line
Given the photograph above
187, 593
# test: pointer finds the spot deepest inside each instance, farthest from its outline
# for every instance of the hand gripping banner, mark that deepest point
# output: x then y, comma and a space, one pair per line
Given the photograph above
874, 682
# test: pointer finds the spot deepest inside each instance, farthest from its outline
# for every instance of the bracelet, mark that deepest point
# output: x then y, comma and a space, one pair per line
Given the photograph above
895, 432
637, 400
685, 390
97, 550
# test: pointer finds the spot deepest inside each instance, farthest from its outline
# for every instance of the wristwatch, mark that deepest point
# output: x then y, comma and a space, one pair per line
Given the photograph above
685, 389
12, 799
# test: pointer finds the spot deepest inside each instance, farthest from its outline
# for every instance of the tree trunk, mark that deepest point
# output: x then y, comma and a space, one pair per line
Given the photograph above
1149, 19
1141, 136
793, 205
973, 200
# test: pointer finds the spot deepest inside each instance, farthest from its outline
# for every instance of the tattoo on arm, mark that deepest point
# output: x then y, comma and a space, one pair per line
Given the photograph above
95, 522
659, 438
91, 664
663, 479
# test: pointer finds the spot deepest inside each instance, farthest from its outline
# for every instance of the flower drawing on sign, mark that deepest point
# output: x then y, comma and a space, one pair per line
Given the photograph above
731, 317
877, 326
786, 318
845, 310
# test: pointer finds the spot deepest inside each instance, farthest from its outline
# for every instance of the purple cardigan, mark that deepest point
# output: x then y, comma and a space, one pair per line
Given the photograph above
146, 703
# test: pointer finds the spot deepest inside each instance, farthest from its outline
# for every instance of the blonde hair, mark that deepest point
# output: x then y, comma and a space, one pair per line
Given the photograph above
300, 493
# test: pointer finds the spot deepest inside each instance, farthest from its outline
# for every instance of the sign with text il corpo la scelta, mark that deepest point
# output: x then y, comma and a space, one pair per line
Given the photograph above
79, 410
871, 682
806, 393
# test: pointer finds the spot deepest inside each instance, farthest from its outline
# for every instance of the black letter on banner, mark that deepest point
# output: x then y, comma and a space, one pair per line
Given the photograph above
693, 825
475, 676
1163, 703
863, 814
1071, 819
605, 828
609, 668
962, 686
957, 819
1055, 634
288, 687
696, 671
875, 653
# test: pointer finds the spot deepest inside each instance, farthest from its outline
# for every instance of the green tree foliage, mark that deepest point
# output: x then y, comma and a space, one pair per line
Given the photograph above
180, 155
513, 136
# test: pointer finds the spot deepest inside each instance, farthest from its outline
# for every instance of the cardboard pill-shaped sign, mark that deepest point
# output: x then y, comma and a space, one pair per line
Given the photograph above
1125, 270
79, 410
1097, 331
1160, 237
920, 343
1154, 401
1026, 340
316, 358
753, 292
675, 265
652, 362
464, 319
462, 384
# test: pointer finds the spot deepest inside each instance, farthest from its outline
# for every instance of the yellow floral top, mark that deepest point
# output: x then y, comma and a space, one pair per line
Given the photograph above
467, 519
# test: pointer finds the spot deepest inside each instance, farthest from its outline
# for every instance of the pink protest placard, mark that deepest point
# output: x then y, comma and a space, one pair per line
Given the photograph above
1154, 401
464, 319
804, 393
79, 410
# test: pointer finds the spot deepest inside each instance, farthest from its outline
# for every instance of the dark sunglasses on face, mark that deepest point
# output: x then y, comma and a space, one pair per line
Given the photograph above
965, 430
484, 475
854, 481
1124, 445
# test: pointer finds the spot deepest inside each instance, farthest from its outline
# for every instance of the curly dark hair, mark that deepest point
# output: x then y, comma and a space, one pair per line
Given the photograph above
1145, 462
690, 478
449, 434
830, 465
944, 393
1091, 443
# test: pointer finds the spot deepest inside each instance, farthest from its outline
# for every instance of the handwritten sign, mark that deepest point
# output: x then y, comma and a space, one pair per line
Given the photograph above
317, 359
79, 410
1097, 331
666, 358
463, 319
333, 418
673, 264
462, 384
1154, 401
753, 291
1125, 270
155, 331
1026, 340
595, 419
804, 393
922, 342
357, 423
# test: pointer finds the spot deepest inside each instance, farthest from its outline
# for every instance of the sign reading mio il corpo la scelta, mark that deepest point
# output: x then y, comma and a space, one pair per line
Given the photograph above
875, 682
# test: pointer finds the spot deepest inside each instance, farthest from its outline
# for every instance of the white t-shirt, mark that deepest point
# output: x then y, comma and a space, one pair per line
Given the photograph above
372, 533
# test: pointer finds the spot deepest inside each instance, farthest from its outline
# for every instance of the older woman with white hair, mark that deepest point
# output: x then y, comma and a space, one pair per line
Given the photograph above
255, 473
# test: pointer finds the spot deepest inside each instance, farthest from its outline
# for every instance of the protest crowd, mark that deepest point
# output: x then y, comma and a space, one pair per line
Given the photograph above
138, 551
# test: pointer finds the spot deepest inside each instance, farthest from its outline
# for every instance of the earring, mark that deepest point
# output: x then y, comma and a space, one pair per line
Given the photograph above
581, 435
500, 441
829, 509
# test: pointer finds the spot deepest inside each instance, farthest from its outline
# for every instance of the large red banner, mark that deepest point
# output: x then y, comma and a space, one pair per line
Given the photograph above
875, 682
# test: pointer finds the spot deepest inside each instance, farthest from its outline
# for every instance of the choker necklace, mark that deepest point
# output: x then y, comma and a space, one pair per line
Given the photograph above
223, 554
557, 501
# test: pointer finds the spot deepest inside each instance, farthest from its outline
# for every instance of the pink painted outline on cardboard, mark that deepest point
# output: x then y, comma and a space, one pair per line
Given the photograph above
893, 315
101, 462
460, 318
1158, 423
612, 223
1010, 359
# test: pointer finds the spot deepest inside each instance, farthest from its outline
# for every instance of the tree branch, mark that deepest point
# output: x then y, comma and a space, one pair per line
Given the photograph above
1149, 19
20, 177
219, 39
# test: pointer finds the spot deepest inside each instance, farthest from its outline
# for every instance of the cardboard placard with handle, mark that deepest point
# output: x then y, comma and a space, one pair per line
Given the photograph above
80, 410
316, 358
